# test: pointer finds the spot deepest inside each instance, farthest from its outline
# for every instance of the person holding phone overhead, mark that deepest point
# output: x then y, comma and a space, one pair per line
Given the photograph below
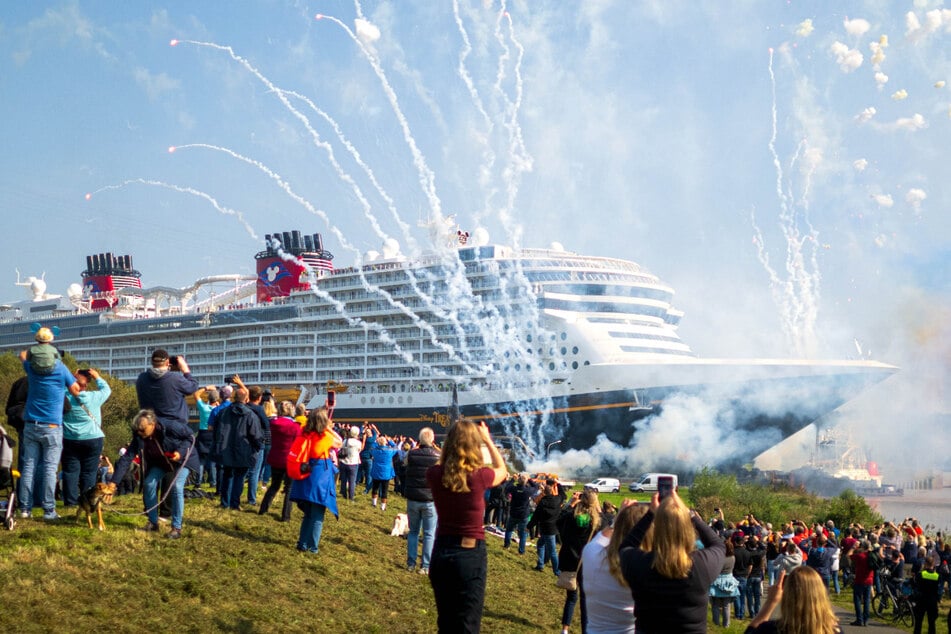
671, 581
459, 563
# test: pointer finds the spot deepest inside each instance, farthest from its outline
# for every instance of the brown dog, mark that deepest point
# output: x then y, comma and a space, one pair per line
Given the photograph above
92, 500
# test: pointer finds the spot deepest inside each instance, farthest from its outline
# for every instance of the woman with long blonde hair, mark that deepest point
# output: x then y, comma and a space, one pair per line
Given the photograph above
607, 597
804, 604
317, 492
458, 564
671, 581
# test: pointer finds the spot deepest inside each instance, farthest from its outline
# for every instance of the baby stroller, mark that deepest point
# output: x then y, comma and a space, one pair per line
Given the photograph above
8, 478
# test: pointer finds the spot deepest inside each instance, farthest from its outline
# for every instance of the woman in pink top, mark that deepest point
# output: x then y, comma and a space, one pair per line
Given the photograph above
284, 429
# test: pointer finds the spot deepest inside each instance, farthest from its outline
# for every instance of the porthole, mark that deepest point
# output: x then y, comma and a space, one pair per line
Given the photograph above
391, 400
372, 400
587, 362
363, 400
528, 338
400, 400
574, 350
574, 365
518, 366
564, 350
551, 366
564, 336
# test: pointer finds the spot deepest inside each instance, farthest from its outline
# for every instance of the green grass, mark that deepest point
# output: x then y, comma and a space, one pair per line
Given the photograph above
239, 572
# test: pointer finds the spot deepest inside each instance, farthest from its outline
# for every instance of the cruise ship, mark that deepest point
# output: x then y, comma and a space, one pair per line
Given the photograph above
548, 346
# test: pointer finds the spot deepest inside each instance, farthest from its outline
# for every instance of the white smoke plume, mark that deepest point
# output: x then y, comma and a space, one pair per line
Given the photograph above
881, 79
911, 124
878, 52
856, 27
860, 164
883, 200
366, 31
915, 197
939, 83
847, 58
900, 95
866, 114
805, 28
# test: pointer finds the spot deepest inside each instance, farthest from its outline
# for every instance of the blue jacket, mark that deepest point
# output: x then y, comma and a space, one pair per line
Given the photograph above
84, 419
318, 487
382, 468
238, 436
165, 395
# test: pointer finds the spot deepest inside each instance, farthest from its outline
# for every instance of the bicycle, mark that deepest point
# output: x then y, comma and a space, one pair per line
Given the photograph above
898, 597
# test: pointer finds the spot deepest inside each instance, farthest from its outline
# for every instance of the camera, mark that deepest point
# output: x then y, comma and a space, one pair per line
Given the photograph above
229, 379
173, 361
331, 398
665, 486
86, 373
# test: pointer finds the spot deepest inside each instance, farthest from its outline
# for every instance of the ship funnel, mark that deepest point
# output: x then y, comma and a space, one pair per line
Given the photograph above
308, 243
318, 243
296, 241
89, 264
286, 241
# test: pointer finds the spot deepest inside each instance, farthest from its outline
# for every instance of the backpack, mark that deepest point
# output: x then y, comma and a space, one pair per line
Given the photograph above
875, 561
42, 358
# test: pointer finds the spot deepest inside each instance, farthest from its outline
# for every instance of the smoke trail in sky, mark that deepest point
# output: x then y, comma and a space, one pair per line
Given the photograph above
185, 190
796, 296
371, 288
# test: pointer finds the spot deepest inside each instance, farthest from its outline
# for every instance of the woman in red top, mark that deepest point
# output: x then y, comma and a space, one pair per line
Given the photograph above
317, 492
458, 566
284, 430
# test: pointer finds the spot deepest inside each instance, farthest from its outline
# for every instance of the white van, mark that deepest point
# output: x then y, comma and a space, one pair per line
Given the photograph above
604, 485
648, 482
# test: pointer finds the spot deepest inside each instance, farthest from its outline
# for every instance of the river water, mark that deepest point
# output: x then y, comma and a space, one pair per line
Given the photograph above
930, 508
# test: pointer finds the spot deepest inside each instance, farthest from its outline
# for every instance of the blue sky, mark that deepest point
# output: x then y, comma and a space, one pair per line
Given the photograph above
642, 130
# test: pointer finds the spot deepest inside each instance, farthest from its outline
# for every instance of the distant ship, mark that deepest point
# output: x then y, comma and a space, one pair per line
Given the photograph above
544, 344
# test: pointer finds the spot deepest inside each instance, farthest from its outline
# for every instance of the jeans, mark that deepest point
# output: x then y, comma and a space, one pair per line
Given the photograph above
721, 610
311, 527
510, 525
861, 598
177, 494
457, 576
232, 481
548, 551
348, 480
209, 468
254, 474
740, 600
571, 598
80, 467
42, 447
835, 581
265, 476
365, 468
421, 515
278, 477
754, 595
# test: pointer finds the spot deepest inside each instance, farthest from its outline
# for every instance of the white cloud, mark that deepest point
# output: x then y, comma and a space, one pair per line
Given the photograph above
857, 26
847, 58
865, 115
912, 124
366, 31
915, 197
881, 79
805, 28
883, 200
900, 94
912, 24
860, 164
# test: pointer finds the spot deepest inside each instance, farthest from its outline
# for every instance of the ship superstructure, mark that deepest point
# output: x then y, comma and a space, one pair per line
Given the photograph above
544, 343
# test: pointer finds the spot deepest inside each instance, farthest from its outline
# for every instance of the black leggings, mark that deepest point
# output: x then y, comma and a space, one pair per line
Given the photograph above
278, 477
382, 486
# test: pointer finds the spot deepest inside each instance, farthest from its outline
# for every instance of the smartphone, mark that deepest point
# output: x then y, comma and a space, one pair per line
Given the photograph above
331, 398
665, 486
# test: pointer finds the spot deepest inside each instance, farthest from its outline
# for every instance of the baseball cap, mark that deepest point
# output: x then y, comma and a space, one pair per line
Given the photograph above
159, 354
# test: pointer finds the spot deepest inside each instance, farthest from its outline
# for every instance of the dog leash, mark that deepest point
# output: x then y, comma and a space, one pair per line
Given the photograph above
188, 453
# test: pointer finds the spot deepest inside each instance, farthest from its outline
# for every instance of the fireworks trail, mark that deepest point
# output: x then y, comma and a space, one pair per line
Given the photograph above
372, 288
184, 190
796, 296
